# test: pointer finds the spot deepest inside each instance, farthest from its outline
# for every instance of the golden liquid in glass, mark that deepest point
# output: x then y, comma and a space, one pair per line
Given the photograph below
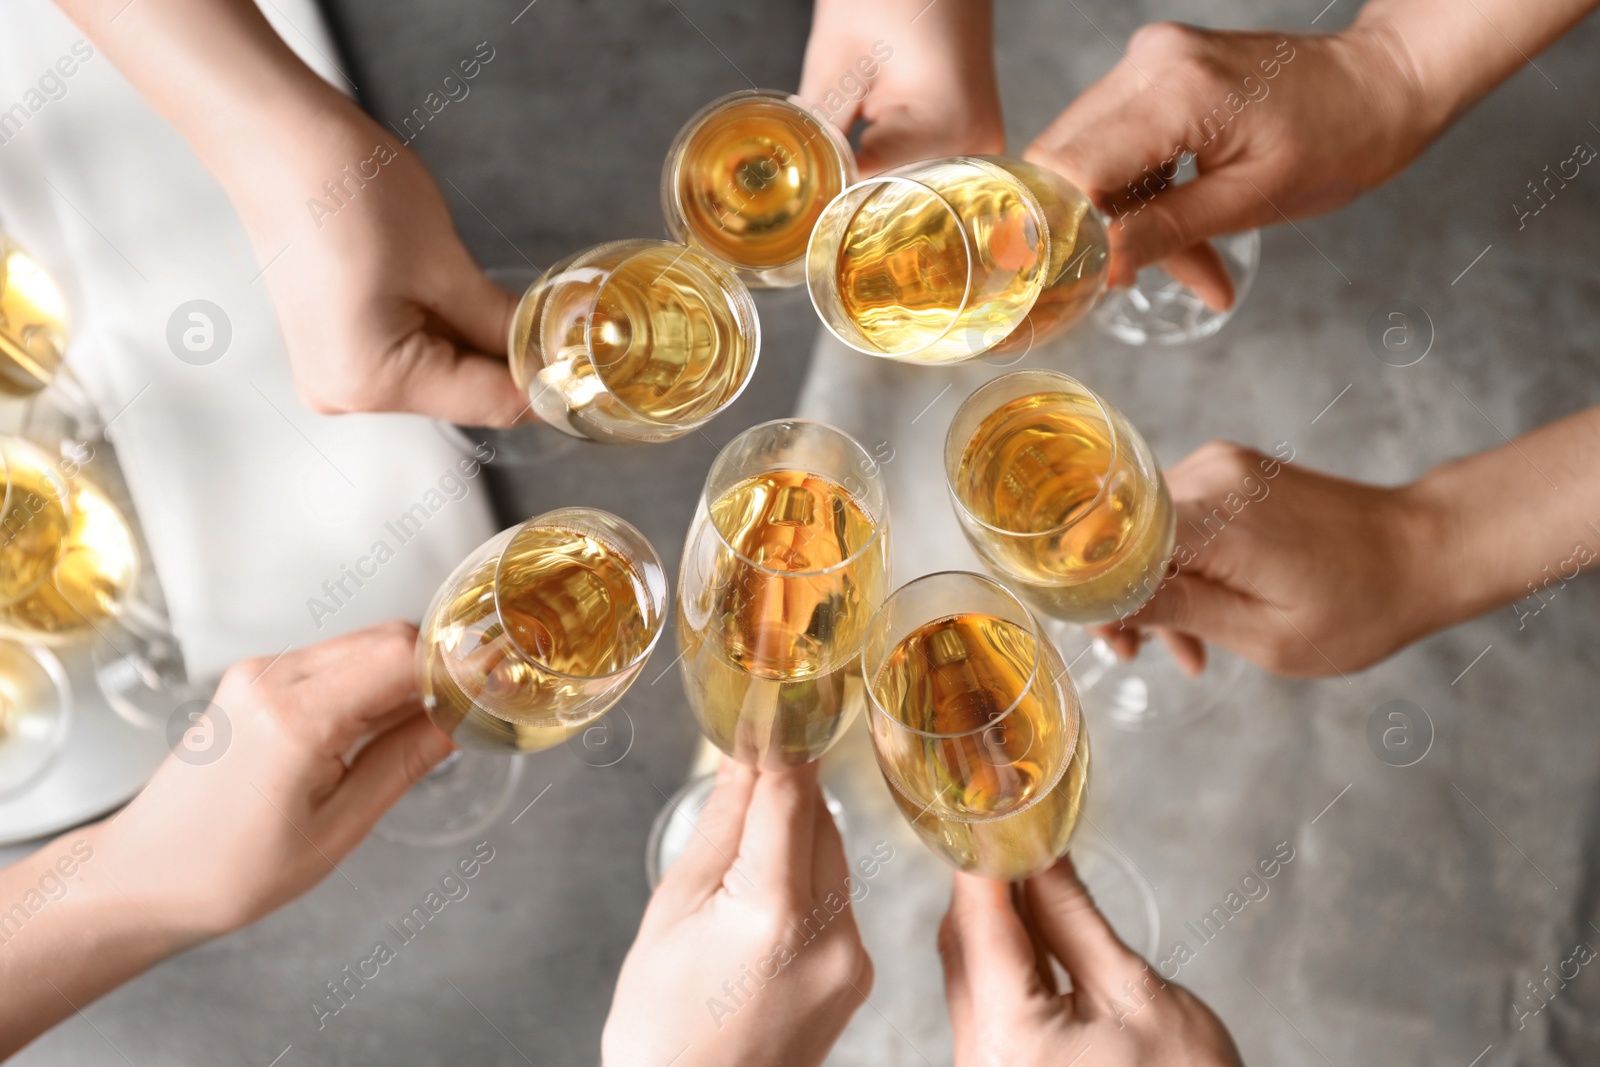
1006, 774
96, 567
771, 646
573, 609
1071, 519
752, 179
33, 324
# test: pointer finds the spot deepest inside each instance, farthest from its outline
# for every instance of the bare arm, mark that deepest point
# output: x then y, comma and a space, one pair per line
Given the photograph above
381, 306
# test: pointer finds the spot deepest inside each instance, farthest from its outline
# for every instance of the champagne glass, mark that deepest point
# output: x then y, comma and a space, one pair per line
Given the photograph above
35, 711
634, 342
786, 560
81, 541
976, 725
942, 261
539, 632
34, 330
746, 179
1061, 496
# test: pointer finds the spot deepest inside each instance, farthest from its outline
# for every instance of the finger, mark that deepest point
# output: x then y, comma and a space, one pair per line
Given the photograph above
908, 132
346, 687
714, 844
830, 868
775, 850
443, 381
1123, 637
1173, 221
988, 956
1199, 269
822, 78
1204, 608
1077, 934
381, 773
1188, 650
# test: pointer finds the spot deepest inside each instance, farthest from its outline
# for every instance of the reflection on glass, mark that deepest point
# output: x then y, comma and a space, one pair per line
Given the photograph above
541, 630
746, 179
786, 560
634, 342
976, 725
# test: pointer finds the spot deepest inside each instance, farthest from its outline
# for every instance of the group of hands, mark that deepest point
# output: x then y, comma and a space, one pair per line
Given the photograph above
720, 972
383, 309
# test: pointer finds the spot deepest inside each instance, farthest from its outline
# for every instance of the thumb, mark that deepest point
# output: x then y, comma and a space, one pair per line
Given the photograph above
1077, 934
383, 770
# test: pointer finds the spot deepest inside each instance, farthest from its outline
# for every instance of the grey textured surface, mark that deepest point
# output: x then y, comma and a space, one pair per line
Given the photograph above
1417, 904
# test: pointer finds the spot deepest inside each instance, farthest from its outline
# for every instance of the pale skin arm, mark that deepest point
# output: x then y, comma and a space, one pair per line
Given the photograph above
207, 848
1301, 123
380, 304
1309, 575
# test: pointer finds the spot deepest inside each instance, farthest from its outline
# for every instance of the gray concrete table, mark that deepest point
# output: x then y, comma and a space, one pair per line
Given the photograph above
1420, 899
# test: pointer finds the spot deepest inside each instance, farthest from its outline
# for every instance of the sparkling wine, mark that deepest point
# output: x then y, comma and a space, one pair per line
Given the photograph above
1067, 506
525, 645
33, 323
635, 341
34, 519
962, 257
781, 577
747, 179
96, 567
991, 771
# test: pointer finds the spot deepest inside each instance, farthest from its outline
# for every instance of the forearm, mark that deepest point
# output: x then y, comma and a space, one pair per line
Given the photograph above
219, 73
1456, 54
1515, 522
69, 934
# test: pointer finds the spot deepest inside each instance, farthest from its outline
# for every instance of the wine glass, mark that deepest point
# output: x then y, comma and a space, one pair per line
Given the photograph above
944, 260
95, 588
539, 632
34, 331
976, 725
1061, 496
634, 342
35, 712
787, 558
746, 179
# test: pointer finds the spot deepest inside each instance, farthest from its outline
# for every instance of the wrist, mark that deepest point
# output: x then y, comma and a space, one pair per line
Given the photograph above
1406, 98
1445, 573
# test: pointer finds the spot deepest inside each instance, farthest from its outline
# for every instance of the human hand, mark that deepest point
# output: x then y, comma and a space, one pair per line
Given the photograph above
1302, 573
921, 76
209, 847
1004, 1003
748, 954
380, 304
1279, 126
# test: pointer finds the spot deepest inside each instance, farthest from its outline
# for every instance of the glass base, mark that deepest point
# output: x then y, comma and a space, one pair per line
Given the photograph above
678, 822
1149, 692
1158, 310
454, 802
35, 711
143, 678
1122, 894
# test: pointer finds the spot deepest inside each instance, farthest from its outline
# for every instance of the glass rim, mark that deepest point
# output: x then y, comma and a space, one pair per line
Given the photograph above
1085, 510
552, 519
59, 482
673, 166
879, 516
904, 175
729, 284
878, 622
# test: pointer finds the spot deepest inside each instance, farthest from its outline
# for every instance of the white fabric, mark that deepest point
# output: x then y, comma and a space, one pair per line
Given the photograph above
249, 502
